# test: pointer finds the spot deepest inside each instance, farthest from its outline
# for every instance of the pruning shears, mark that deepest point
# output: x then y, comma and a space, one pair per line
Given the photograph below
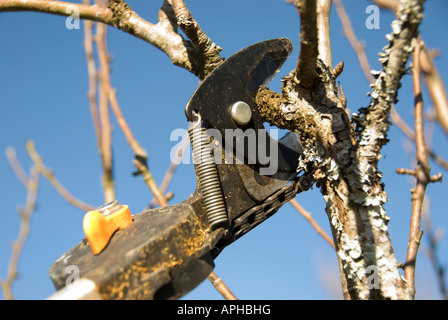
164, 253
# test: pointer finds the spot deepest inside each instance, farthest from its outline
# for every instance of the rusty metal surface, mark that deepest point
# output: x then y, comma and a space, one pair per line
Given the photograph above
162, 255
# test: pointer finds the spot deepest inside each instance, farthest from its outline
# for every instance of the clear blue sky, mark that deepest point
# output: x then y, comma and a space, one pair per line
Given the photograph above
43, 96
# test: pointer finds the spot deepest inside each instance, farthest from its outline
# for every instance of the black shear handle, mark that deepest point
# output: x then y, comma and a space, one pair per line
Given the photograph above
163, 254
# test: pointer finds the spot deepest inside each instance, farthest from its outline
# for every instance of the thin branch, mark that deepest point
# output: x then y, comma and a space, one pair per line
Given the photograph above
141, 157
48, 174
217, 282
142, 169
119, 15
197, 36
373, 120
323, 29
306, 64
59, 8
365, 66
353, 40
421, 173
388, 4
91, 69
436, 88
25, 220
106, 129
172, 168
108, 96
313, 222
433, 81
221, 287
16, 167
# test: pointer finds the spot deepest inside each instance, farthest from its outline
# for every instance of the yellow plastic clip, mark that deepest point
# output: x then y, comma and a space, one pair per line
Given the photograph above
100, 224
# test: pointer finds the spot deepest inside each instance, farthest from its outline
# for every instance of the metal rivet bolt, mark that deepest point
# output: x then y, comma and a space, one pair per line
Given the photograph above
241, 113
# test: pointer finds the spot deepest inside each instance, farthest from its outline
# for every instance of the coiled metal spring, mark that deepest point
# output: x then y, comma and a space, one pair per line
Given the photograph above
208, 177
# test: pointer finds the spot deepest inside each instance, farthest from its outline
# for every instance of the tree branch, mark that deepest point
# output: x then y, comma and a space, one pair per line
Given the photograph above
25, 220
221, 287
306, 64
200, 40
119, 15
365, 66
436, 88
48, 174
312, 222
323, 28
373, 121
16, 167
421, 173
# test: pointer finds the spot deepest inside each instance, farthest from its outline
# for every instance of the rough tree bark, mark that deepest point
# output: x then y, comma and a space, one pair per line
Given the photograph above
345, 150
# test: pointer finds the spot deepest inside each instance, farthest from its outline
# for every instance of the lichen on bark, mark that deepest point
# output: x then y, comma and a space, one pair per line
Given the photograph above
345, 153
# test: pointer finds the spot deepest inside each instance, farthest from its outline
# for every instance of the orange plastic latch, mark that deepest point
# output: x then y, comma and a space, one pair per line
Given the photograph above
101, 223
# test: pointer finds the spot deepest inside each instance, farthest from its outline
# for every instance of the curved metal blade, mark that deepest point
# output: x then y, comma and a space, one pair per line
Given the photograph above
238, 79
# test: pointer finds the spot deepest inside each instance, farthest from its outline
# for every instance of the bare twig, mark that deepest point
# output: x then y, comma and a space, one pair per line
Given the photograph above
108, 96
421, 173
16, 167
91, 69
25, 220
119, 15
221, 287
436, 88
313, 222
433, 81
388, 4
48, 174
142, 169
365, 66
106, 130
353, 40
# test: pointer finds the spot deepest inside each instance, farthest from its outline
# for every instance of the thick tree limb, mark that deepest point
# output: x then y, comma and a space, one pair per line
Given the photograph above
367, 194
119, 15
347, 161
